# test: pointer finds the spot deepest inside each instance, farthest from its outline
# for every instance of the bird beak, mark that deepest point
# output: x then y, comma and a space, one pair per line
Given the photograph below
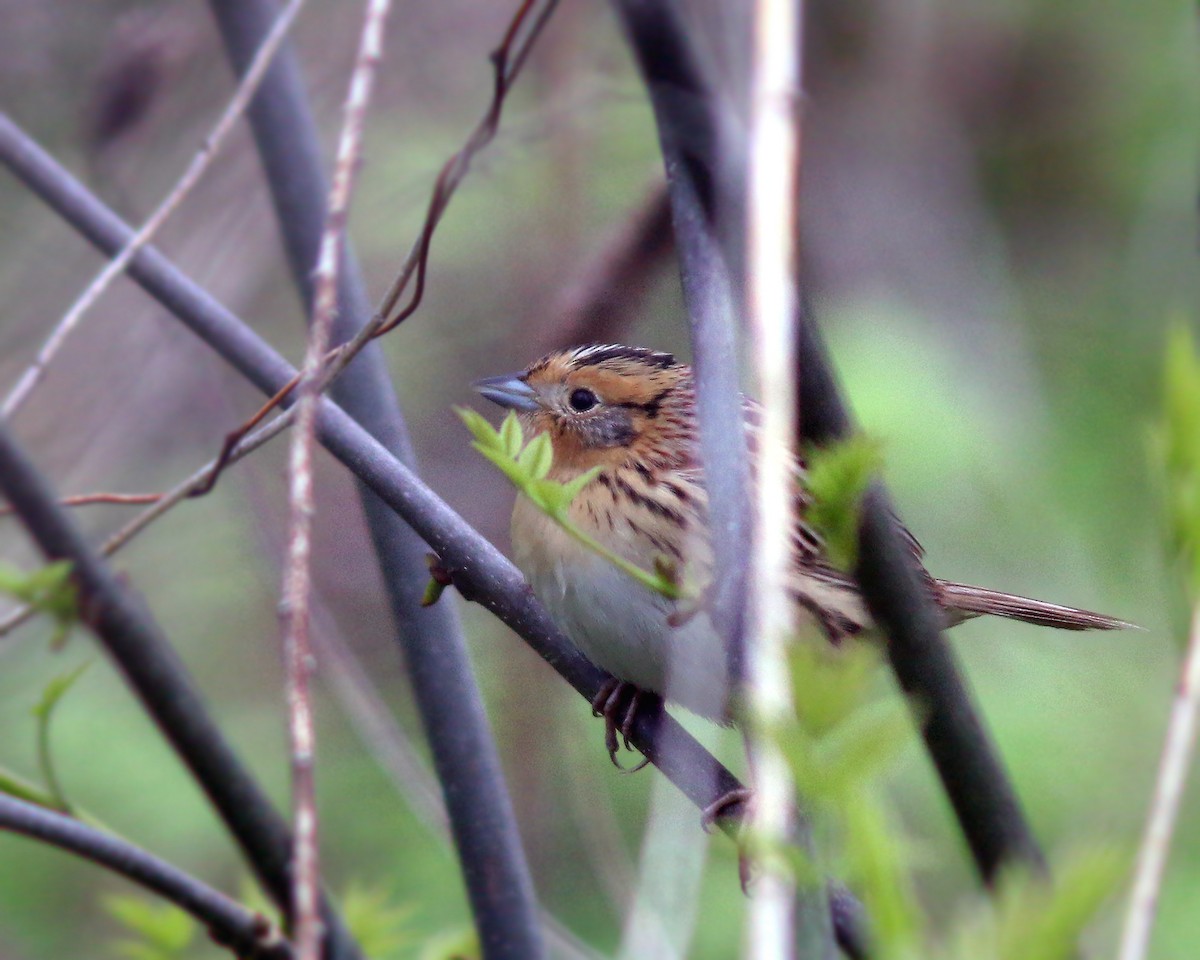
509, 391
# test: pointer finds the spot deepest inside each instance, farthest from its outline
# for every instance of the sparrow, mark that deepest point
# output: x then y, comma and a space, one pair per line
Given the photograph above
630, 413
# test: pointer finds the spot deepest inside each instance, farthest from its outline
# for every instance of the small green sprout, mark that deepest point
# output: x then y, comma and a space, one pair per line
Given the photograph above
527, 466
1179, 448
48, 590
156, 931
838, 477
43, 712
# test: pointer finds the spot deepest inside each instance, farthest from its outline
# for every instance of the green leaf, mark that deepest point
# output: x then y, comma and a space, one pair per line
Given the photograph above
509, 467
528, 469
162, 931
830, 682
837, 478
56, 689
550, 497
877, 867
863, 746
574, 487
454, 945
1179, 450
510, 434
433, 592
537, 457
48, 590
1043, 921
22, 789
382, 928
479, 428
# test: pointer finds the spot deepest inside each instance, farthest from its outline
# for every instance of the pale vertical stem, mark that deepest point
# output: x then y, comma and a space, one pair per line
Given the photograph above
771, 304
1164, 809
246, 89
297, 577
661, 919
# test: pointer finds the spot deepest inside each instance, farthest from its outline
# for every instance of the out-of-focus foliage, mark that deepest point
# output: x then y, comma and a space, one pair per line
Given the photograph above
1180, 449
999, 214
47, 590
843, 738
838, 476
154, 931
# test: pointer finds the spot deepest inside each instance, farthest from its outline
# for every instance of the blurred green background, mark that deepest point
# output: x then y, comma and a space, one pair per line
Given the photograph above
1000, 220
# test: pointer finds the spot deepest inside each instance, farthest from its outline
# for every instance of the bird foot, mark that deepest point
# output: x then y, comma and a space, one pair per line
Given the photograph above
618, 703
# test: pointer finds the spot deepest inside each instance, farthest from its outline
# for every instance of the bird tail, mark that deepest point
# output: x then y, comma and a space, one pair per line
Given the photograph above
962, 602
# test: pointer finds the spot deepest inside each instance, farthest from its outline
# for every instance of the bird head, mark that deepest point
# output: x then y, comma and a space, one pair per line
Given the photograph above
600, 403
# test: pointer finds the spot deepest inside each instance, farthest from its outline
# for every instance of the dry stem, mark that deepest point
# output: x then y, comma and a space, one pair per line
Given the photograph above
1164, 810
297, 578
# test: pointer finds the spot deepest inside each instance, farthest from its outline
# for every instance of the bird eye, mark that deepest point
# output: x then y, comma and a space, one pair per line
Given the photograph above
582, 400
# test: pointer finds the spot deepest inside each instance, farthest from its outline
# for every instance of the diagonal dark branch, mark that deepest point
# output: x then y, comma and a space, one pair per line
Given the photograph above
482, 820
246, 933
972, 773
131, 636
984, 800
481, 572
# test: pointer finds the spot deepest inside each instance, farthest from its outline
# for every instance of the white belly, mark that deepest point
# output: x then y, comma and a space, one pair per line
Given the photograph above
620, 625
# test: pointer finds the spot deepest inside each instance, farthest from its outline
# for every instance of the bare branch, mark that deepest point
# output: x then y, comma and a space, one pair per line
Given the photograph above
92, 499
297, 576
198, 484
772, 175
1164, 809
244, 932
694, 150
191, 176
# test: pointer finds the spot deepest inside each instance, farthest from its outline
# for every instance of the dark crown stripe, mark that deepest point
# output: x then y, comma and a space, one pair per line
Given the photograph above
609, 353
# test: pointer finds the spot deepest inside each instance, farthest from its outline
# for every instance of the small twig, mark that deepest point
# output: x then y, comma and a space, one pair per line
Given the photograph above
87, 499
246, 933
200, 162
234, 438
297, 576
772, 174
508, 60
198, 484
1164, 809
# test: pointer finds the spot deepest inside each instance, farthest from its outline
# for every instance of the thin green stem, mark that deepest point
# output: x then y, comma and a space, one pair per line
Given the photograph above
23, 789
653, 581
58, 798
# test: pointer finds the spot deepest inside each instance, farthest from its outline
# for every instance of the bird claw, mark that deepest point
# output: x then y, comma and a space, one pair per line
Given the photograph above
608, 704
